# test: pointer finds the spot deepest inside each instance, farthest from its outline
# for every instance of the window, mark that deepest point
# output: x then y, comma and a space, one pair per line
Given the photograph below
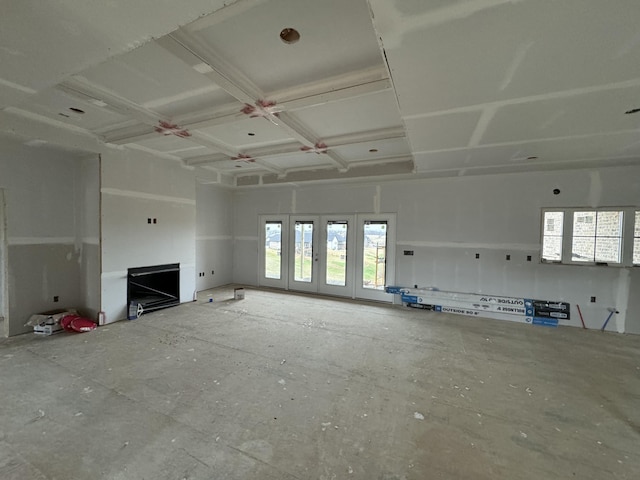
552, 236
582, 236
636, 240
597, 236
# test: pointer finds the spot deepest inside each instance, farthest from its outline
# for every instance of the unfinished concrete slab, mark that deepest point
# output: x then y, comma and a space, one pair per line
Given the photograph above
285, 386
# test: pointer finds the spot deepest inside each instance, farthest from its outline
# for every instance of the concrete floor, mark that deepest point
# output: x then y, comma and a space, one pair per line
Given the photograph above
285, 387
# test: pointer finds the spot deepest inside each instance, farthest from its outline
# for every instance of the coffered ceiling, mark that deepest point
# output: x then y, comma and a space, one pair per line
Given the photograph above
378, 87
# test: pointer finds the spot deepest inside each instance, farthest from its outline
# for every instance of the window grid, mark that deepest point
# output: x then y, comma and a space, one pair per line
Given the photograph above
591, 236
597, 236
552, 236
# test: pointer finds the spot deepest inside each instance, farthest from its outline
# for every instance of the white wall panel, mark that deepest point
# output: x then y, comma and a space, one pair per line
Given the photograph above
137, 187
44, 250
447, 221
214, 236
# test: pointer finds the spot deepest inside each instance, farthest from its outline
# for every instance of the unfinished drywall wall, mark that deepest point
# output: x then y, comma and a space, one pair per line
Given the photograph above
88, 237
214, 236
136, 189
4, 290
446, 222
43, 261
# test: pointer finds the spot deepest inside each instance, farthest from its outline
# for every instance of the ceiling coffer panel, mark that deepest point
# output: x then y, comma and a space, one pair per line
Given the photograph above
336, 37
303, 90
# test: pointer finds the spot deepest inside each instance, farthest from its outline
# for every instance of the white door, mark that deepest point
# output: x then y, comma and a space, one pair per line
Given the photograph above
274, 251
344, 255
304, 253
375, 254
337, 255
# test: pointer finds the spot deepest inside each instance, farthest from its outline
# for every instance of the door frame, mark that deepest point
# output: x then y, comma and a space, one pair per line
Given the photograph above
390, 255
355, 241
323, 287
283, 281
300, 286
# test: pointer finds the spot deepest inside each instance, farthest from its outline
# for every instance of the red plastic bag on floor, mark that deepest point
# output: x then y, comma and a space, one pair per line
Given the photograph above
76, 323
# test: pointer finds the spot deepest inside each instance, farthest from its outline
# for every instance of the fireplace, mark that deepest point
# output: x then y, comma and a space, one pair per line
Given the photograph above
154, 287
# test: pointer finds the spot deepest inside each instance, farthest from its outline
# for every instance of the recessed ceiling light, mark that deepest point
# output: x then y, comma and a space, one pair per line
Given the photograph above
373, 150
238, 166
63, 115
633, 110
76, 110
532, 158
289, 35
251, 134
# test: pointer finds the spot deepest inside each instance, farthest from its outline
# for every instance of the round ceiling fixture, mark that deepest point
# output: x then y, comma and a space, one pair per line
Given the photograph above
289, 35
251, 134
373, 150
532, 158
76, 110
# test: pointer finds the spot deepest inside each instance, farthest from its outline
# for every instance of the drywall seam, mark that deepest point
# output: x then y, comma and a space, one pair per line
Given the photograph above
246, 239
146, 196
4, 284
91, 240
214, 237
41, 241
523, 247
622, 299
115, 274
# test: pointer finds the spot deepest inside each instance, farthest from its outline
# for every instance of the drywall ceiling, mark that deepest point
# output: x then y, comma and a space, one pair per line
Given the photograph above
377, 87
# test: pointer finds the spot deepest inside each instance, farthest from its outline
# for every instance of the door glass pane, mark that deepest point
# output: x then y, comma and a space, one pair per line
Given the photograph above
337, 253
303, 263
374, 255
552, 236
272, 250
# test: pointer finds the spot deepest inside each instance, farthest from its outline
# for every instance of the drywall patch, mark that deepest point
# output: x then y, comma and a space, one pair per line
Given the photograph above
318, 148
262, 108
146, 196
622, 299
595, 189
243, 158
41, 241
166, 128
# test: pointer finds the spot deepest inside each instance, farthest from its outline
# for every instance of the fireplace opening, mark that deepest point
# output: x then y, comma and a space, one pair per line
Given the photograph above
154, 287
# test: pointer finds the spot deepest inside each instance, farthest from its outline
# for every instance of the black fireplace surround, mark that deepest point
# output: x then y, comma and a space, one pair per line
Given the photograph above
154, 287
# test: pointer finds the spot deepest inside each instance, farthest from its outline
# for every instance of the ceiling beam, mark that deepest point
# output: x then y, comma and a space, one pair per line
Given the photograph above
292, 148
222, 73
82, 88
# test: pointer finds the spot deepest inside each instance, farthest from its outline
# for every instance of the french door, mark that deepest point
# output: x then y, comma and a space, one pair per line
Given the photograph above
344, 255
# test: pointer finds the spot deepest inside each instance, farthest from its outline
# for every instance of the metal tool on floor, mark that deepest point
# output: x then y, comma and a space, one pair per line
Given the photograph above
611, 312
581, 319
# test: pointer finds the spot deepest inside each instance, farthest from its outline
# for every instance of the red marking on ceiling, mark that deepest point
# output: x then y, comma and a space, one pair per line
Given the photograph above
262, 108
166, 128
319, 147
243, 158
